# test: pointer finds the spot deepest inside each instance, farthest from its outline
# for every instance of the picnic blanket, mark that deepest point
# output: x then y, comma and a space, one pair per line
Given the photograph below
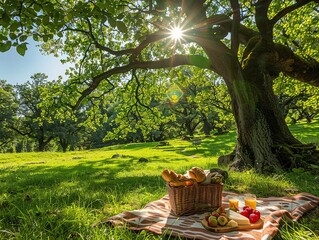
156, 217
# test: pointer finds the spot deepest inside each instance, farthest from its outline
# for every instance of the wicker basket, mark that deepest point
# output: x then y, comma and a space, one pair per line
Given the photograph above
197, 198
209, 197
182, 199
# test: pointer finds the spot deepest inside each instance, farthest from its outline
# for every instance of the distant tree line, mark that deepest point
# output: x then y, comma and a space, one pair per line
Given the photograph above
37, 115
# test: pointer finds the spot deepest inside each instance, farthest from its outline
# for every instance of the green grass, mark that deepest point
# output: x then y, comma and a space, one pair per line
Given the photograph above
60, 195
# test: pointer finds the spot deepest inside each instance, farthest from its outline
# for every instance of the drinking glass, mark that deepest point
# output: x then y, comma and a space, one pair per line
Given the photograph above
250, 200
233, 203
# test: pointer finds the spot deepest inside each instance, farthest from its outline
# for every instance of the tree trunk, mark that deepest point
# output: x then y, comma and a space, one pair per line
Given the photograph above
264, 141
64, 144
207, 127
261, 126
41, 144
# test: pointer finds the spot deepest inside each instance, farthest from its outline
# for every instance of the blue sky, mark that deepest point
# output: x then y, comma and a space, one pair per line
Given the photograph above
16, 69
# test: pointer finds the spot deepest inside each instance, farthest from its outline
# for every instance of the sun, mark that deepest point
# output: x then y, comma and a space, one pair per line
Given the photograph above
176, 33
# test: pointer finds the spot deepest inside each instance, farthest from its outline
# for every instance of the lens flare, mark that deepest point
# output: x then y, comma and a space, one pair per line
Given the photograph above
176, 33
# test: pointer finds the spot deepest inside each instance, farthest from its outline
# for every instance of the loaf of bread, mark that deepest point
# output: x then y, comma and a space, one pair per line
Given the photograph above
198, 174
169, 175
176, 180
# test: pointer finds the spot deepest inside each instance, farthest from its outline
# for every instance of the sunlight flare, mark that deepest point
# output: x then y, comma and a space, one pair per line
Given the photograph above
176, 33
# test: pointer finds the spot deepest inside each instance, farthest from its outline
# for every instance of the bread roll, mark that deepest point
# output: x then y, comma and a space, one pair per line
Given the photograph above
169, 175
198, 174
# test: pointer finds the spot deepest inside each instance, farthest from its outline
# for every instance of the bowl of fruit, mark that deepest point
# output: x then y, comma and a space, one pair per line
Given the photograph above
227, 220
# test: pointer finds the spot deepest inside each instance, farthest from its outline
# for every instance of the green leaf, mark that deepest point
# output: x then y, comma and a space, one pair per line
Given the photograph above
37, 7
12, 36
14, 26
5, 18
23, 38
5, 46
68, 17
2, 37
120, 16
31, 12
37, 21
199, 61
22, 48
112, 22
45, 38
35, 37
121, 26
46, 20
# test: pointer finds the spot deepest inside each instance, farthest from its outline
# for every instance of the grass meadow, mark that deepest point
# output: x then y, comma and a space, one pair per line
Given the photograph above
54, 195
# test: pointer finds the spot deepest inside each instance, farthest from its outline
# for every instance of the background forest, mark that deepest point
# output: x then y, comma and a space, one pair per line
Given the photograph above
179, 103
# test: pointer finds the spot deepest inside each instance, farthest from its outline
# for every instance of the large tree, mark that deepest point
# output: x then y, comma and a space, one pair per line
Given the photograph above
34, 112
8, 111
247, 43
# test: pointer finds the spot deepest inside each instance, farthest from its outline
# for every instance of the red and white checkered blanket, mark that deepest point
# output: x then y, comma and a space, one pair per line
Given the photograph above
156, 217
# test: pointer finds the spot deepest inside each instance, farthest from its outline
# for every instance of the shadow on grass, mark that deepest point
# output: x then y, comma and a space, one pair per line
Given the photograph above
68, 184
306, 132
212, 147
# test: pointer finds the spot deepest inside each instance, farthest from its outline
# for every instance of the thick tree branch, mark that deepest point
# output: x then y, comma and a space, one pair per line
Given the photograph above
262, 21
304, 70
244, 33
235, 27
174, 61
195, 11
287, 10
20, 132
151, 38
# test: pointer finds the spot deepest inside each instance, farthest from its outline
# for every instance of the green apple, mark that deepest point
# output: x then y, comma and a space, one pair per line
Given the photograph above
222, 220
212, 221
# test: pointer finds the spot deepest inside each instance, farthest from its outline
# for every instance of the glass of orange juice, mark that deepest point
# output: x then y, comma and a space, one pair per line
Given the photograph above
250, 200
233, 203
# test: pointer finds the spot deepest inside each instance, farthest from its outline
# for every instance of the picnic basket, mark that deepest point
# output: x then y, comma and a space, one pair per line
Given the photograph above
182, 199
209, 197
198, 198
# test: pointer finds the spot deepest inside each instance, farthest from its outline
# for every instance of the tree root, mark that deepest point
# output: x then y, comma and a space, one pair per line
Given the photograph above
304, 156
